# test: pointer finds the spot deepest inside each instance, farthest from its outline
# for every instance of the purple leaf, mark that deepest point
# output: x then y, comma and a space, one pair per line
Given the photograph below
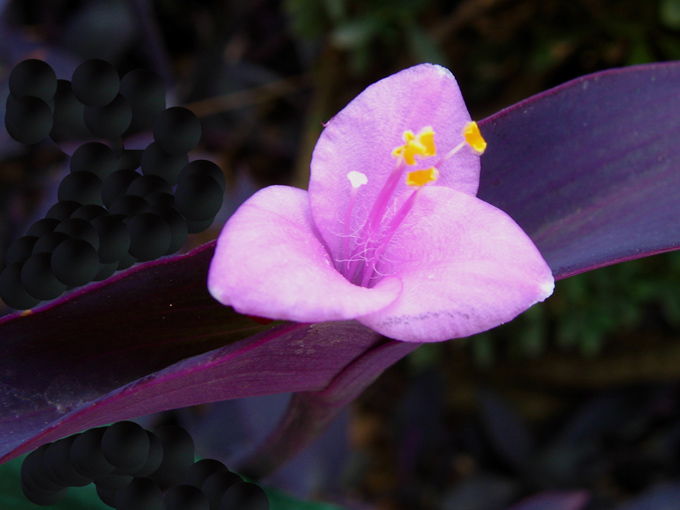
586, 169
144, 341
589, 169
555, 501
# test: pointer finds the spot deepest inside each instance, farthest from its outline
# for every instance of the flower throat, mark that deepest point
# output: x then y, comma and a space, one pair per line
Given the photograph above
358, 263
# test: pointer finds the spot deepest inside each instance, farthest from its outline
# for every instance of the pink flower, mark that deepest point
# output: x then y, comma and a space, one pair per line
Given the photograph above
390, 232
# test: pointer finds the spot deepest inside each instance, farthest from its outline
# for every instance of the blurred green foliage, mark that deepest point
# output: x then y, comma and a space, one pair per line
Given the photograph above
357, 26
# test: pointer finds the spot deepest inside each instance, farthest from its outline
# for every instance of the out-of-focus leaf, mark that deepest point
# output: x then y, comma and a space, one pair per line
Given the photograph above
480, 493
590, 169
556, 501
356, 33
101, 29
662, 497
562, 461
509, 435
419, 422
669, 13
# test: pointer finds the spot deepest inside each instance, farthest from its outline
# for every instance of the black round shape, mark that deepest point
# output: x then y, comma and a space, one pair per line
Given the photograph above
177, 224
198, 197
217, 484
69, 115
148, 185
86, 454
107, 487
114, 482
108, 496
94, 157
177, 130
150, 236
75, 262
62, 210
28, 119
204, 167
146, 92
33, 472
155, 457
178, 455
12, 291
201, 470
155, 161
196, 227
20, 249
161, 198
30, 487
89, 212
186, 497
43, 226
129, 205
140, 494
116, 184
114, 237
125, 445
126, 261
43, 498
83, 187
39, 280
245, 496
110, 120
58, 466
130, 159
105, 271
33, 77
48, 242
79, 229
95, 82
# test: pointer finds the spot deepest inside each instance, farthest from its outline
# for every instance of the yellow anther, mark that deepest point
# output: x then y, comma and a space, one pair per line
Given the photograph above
426, 139
474, 138
422, 177
421, 144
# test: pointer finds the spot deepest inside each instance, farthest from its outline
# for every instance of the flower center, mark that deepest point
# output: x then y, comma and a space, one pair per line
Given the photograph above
359, 263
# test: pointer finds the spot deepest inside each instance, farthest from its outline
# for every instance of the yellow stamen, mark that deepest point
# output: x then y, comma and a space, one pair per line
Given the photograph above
421, 144
422, 177
474, 138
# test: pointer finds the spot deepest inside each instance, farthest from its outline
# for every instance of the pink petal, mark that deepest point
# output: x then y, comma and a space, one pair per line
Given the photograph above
271, 262
362, 136
465, 266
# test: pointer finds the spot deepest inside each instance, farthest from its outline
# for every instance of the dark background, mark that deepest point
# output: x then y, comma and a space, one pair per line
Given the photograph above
581, 392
